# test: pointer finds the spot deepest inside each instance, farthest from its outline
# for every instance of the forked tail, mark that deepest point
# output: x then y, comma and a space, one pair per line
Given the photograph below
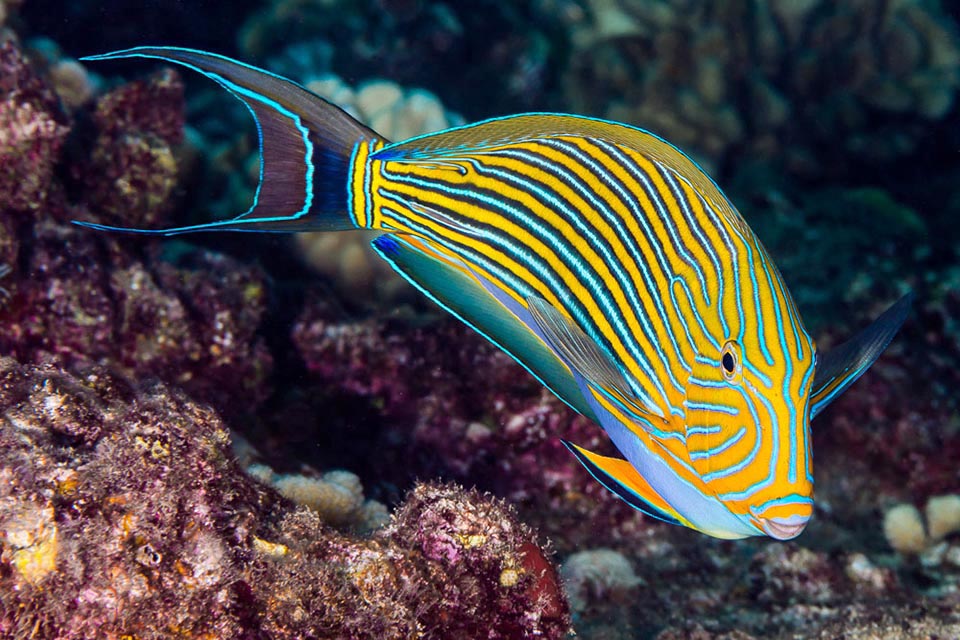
306, 147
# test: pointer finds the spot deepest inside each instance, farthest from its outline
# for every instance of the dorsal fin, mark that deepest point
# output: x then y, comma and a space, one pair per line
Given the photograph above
526, 127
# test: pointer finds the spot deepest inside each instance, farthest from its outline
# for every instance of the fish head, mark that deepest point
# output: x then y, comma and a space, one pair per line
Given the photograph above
747, 415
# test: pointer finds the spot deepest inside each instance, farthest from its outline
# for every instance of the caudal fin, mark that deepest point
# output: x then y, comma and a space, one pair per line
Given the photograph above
306, 146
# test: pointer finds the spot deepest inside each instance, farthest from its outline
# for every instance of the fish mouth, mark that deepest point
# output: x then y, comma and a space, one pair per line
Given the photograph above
783, 528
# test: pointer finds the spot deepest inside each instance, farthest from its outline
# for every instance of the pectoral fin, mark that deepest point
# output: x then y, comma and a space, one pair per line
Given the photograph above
840, 368
584, 355
452, 283
619, 477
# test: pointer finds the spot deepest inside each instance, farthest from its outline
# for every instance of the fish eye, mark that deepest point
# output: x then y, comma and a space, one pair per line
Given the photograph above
730, 360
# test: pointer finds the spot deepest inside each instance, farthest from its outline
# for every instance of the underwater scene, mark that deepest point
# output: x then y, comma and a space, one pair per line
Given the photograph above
600, 319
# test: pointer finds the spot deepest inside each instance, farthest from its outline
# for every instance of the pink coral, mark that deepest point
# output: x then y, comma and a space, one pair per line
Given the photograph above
448, 403
89, 300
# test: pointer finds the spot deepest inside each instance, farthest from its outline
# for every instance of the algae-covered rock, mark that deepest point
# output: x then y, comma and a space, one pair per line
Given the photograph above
33, 130
125, 514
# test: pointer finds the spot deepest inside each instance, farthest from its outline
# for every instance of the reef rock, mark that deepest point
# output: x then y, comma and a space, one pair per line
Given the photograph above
33, 129
132, 169
124, 514
90, 300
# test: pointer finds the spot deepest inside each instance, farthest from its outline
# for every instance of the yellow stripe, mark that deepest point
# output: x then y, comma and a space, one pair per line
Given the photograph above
625, 309
474, 212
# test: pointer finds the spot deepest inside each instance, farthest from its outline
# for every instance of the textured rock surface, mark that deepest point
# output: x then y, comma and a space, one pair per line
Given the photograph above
122, 512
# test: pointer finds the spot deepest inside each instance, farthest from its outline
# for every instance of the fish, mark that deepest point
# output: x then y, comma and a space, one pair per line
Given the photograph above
598, 256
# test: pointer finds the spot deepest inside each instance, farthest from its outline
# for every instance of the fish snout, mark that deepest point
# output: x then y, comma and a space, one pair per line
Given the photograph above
784, 528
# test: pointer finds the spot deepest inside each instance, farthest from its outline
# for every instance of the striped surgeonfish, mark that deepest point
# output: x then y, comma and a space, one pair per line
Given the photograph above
603, 260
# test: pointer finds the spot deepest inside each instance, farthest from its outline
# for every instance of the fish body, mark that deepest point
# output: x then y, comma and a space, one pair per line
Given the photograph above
603, 260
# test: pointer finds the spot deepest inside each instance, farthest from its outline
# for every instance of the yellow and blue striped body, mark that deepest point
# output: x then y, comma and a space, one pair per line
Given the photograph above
632, 242
603, 260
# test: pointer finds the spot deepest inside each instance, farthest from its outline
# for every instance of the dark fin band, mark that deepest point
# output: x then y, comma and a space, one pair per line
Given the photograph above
306, 145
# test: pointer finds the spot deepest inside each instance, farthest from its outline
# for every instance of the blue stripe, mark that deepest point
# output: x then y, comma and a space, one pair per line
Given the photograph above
718, 408
560, 289
350, 206
720, 448
611, 261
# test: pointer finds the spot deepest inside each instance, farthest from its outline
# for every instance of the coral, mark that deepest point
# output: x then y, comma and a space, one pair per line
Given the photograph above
386, 107
439, 401
132, 170
494, 57
70, 80
785, 574
597, 575
28, 537
493, 564
747, 75
336, 496
943, 516
903, 527
867, 575
89, 300
124, 513
861, 241
72, 83
32, 132
81, 297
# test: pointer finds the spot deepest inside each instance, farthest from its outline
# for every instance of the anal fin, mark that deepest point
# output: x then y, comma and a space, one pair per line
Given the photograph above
623, 480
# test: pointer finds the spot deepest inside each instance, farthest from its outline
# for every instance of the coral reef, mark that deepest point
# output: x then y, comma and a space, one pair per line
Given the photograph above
749, 76
123, 512
131, 173
841, 250
89, 300
32, 132
81, 298
442, 402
